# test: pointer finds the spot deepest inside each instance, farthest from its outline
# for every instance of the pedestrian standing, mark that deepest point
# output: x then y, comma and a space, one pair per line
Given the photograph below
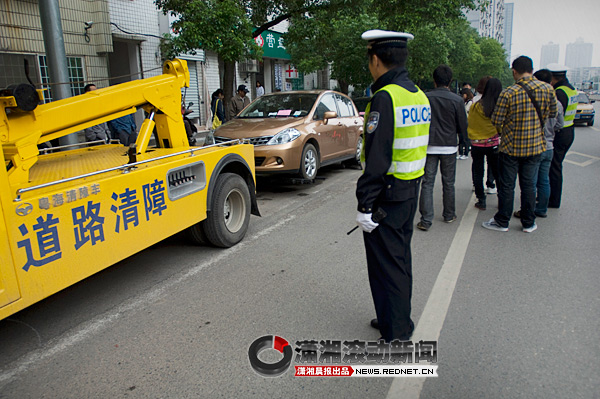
124, 129
552, 126
394, 151
567, 95
484, 138
519, 114
260, 90
448, 128
238, 102
467, 96
96, 132
216, 106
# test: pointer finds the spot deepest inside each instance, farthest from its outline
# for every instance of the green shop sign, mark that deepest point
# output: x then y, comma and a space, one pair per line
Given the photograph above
272, 45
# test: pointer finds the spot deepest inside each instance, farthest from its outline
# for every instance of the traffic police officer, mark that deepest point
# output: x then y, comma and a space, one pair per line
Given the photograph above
394, 152
567, 95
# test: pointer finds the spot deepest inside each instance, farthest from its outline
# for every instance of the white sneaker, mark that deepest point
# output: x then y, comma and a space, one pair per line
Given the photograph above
530, 229
491, 190
493, 225
463, 157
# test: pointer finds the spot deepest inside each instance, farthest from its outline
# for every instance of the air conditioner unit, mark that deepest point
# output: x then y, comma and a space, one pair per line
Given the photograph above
249, 66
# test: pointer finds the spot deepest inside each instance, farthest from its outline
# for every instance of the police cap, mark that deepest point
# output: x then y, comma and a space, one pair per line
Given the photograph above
384, 38
557, 69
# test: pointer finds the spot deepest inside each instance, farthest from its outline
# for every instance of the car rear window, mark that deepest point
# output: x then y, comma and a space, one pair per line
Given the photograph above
291, 105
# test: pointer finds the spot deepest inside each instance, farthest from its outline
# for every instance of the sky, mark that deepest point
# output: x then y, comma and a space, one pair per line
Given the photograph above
538, 22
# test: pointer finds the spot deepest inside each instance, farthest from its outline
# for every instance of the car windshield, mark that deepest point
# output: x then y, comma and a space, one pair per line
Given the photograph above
292, 105
583, 98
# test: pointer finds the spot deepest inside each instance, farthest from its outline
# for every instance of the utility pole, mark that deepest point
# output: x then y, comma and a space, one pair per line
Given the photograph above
56, 57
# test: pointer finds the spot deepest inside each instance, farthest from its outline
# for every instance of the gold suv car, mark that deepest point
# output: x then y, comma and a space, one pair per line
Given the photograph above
298, 131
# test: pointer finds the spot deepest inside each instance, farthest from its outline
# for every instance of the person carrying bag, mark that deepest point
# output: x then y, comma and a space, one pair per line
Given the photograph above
217, 108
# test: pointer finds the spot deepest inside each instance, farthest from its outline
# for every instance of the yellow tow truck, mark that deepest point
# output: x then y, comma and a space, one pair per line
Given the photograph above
69, 214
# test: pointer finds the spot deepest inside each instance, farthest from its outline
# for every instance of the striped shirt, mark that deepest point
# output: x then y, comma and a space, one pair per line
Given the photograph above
521, 129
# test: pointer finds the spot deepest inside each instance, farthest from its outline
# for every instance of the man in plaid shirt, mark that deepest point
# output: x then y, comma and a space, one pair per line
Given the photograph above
522, 142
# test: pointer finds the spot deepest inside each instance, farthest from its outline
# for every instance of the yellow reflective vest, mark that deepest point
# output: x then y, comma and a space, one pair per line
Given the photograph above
412, 116
571, 109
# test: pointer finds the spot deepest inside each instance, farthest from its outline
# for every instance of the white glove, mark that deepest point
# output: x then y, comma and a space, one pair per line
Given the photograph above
365, 222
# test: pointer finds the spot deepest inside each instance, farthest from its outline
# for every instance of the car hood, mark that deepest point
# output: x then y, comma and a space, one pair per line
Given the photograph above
256, 127
583, 106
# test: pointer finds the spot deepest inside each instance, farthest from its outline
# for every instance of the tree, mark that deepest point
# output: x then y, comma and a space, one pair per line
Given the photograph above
432, 23
314, 40
227, 27
220, 26
493, 61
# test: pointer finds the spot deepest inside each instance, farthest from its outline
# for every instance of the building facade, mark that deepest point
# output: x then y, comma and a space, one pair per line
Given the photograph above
549, 54
495, 22
87, 38
579, 54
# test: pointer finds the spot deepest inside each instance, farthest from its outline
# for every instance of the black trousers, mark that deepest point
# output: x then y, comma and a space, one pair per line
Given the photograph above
562, 142
389, 262
477, 168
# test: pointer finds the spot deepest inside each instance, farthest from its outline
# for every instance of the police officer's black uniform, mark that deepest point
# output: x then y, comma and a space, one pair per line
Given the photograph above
388, 246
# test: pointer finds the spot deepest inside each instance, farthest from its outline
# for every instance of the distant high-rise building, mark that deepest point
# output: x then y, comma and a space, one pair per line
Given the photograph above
495, 22
579, 54
508, 26
549, 54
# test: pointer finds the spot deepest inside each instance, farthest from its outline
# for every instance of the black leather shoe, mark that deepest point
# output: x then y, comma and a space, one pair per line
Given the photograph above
375, 324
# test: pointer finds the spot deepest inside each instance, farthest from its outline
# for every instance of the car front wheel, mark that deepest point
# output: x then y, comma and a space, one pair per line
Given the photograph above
309, 162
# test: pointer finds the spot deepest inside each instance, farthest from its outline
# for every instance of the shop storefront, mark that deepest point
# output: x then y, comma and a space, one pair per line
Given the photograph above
275, 72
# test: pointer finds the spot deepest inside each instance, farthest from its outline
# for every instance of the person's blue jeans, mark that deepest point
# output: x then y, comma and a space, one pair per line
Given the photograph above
527, 170
448, 170
543, 183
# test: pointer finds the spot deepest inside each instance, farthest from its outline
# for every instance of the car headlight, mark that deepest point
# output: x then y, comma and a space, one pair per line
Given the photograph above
285, 136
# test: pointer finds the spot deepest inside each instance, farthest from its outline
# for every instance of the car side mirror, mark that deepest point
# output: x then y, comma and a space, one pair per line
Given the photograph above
329, 115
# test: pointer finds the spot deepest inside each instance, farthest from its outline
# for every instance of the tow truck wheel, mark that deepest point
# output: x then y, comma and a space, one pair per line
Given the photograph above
196, 234
226, 224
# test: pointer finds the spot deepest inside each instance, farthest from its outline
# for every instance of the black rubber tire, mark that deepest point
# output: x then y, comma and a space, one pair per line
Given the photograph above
359, 145
591, 123
226, 224
309, 163
196, 234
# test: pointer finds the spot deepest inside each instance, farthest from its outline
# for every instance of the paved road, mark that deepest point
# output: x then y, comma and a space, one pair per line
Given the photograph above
521, 319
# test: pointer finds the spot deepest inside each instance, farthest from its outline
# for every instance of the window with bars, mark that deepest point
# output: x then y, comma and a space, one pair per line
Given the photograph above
13, 69
76, 76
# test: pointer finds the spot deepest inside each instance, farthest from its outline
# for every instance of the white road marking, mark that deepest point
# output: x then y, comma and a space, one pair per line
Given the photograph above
590, 161
98, 323
432, 320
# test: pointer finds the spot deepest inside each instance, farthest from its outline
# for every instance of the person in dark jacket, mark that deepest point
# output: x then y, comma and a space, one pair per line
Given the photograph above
124, 128
394, 152
567, 96
448, 129
216, 105
96, 132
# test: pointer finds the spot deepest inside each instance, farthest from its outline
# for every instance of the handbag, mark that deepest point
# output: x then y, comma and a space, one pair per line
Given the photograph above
216, 121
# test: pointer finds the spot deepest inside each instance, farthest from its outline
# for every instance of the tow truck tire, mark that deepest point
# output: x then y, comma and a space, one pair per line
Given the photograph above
226, 224
196, 234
